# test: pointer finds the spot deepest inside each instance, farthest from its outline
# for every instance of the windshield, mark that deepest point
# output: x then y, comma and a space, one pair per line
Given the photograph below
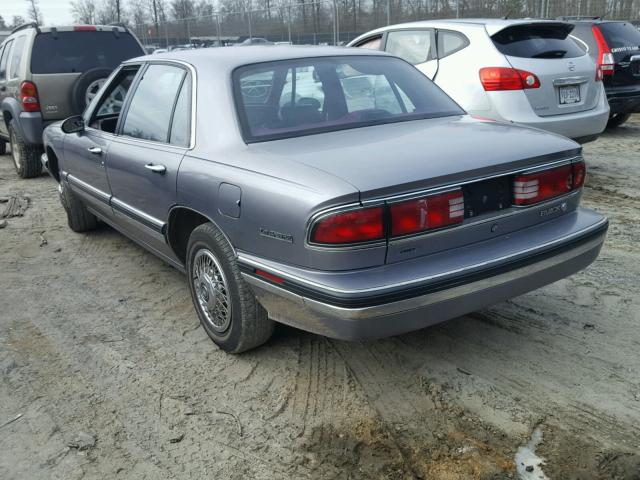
77, 52
537, 41
312, 95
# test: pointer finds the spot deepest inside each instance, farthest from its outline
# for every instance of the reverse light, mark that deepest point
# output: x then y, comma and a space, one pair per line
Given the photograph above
536, 187
29, 97
503, 78
352, 226
605, 63
427, 213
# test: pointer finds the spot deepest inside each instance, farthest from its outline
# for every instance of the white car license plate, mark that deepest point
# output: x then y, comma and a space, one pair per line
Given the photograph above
569, 94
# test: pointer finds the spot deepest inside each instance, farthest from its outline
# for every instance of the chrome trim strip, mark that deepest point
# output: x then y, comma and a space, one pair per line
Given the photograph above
296, 279
134, 212
558, 82
99, 194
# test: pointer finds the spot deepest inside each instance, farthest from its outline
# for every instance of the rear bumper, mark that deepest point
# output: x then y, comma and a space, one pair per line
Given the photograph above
543, 255
514, 107
624, 100
31, 127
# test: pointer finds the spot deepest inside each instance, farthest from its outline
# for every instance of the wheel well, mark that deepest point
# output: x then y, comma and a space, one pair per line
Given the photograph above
53, 163
182, 222
7, 118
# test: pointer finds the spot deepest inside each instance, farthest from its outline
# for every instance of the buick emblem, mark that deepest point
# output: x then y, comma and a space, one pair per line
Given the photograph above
571, 66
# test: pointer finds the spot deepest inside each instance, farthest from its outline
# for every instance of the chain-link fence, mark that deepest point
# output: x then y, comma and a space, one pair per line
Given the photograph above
335, 22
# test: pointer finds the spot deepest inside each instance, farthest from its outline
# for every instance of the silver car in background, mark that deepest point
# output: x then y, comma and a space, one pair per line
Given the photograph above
526, 71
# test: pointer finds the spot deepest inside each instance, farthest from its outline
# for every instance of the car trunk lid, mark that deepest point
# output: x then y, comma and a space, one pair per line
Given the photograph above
623, 40
566, 73
54, 93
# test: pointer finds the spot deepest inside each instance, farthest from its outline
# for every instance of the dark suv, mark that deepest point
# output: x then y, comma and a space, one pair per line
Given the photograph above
615, 47
49, 74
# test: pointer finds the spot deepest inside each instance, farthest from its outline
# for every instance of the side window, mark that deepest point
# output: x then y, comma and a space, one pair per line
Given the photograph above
372, 43
414, 46
181, 124
4, 60
450, 42
365, 92
107, 111
149, 114
16, 58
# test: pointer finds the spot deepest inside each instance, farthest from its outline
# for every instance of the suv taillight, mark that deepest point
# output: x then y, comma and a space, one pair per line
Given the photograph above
427, 213
353, 226
503, 78
539, 186
29, 97
605, 64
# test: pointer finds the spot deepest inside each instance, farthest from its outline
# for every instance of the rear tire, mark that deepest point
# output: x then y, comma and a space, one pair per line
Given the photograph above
226, 306
78, 217
26, 158
617, 119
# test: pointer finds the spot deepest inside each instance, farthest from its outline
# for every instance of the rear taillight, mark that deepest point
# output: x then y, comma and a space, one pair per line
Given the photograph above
502, 78
539, 186
427, 213
353, 226
84, 28
605, 64
29, 97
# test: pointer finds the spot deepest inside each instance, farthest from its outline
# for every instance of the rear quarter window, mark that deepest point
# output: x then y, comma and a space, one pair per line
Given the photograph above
537, 41
77, 52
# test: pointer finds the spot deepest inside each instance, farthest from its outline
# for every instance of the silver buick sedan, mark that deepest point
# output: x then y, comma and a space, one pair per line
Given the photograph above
336, 190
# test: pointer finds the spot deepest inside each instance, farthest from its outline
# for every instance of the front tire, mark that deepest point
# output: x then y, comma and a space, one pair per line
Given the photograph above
26, 158
226, 307
78, 217
617, 119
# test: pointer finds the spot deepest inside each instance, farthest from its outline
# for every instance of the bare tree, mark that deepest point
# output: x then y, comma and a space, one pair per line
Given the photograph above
33, 11
110, 11
83, 11
16, 21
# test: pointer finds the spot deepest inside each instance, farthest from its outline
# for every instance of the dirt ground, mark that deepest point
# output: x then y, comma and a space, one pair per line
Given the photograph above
106, 372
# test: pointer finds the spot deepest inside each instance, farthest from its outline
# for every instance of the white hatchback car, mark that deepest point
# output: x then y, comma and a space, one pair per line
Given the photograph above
527, 71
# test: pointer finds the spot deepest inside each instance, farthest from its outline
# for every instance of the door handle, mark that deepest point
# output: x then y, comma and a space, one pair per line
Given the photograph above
156, 168
95, 150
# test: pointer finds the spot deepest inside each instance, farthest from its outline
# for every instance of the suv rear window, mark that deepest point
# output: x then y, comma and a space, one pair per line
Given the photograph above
537, 41
620, 36
77, 52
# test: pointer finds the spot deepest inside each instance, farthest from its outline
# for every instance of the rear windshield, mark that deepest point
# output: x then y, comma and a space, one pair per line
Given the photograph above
537, 41
304, 96
620, 36
70, 52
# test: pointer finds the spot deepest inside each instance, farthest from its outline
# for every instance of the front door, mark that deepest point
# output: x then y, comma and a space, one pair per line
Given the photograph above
144, 158
86, 153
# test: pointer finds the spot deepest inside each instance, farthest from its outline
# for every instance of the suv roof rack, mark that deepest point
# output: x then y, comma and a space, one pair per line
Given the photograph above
25, 26
580, 17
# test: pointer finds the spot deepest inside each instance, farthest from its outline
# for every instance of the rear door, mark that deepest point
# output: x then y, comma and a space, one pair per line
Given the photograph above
417, 47
623, 40
145, 156
59, 58
566, 72
4, 60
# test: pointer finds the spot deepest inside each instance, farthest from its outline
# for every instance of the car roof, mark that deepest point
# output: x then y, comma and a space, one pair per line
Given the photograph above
492, 25
231, 58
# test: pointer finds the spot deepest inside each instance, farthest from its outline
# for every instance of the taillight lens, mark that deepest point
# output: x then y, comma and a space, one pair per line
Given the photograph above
29, 97
84, 28
540, 186
353, 226
427, 213
502, 78
605, 65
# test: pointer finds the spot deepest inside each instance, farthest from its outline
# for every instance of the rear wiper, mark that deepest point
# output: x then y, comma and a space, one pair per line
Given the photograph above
551, 54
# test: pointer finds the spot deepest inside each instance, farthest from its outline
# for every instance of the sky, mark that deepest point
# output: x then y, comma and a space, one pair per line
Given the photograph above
55, 12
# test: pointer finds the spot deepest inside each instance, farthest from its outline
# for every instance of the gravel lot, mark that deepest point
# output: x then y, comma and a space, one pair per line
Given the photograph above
103, 358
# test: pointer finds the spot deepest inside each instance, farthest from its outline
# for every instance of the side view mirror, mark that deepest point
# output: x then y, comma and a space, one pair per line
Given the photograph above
73, 124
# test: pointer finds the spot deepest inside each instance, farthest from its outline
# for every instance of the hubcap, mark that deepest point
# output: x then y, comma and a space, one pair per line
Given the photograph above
92, 90
15, 151
212, 291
